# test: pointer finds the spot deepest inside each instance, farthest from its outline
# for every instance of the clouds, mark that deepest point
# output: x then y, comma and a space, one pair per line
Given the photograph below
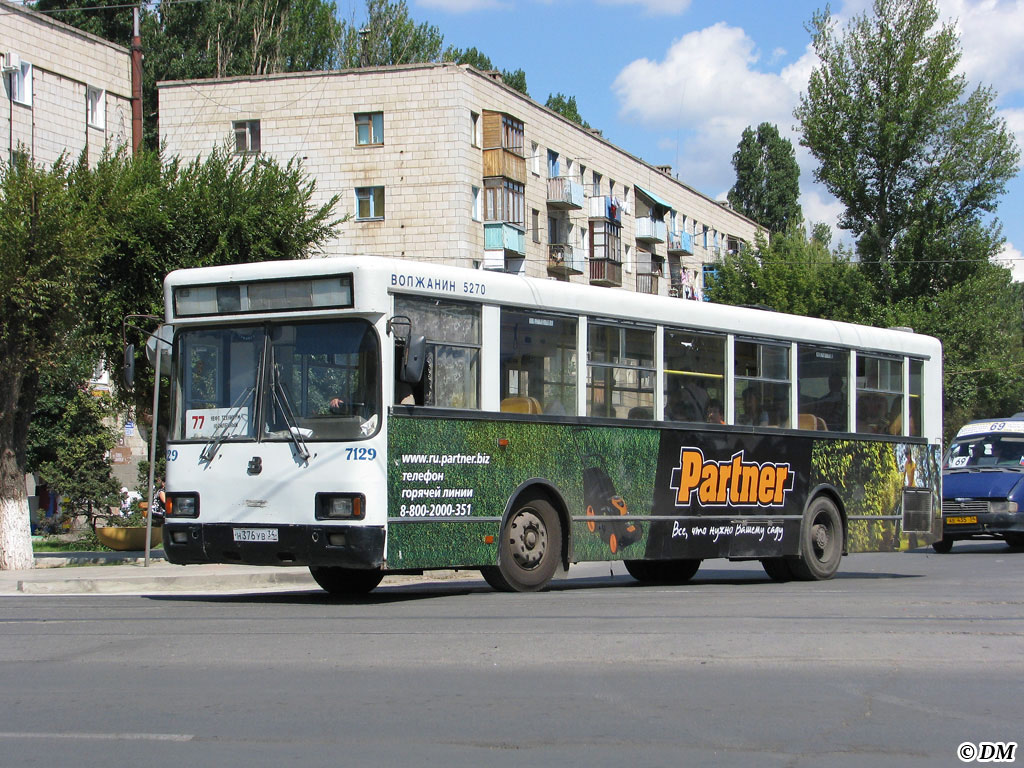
707, 89
654, 7
990, 35
1012, 259
713, 82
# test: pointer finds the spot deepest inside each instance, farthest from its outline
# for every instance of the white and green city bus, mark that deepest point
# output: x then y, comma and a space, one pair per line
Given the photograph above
366, 416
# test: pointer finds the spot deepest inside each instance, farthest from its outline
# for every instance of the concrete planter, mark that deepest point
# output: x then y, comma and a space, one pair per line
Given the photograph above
128, 539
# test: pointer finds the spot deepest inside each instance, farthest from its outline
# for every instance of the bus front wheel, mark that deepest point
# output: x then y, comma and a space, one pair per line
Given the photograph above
821, 542
529, 549
346, 581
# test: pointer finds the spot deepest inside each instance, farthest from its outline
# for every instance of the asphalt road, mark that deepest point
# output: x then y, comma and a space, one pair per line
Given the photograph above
894, 663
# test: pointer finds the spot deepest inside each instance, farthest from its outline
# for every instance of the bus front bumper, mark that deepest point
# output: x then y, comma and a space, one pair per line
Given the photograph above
192, 542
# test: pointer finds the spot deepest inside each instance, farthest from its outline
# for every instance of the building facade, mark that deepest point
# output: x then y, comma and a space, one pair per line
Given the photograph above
441, 162
66, 91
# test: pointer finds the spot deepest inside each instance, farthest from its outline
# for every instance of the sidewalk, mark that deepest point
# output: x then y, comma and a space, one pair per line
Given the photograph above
63, 573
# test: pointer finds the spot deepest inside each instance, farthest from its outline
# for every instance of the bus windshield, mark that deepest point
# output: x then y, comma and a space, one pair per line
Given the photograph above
278, 381
988, 450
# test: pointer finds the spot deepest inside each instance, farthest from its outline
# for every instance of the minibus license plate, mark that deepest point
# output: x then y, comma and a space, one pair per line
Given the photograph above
255, 534
967, 520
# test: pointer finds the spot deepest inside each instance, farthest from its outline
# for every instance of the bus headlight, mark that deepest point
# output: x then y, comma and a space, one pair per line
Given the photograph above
340, 506
182, 505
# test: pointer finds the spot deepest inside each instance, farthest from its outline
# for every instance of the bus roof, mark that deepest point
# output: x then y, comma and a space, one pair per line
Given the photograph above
443, 281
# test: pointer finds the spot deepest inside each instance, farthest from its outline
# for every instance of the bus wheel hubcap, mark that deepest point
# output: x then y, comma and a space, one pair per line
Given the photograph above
528, 539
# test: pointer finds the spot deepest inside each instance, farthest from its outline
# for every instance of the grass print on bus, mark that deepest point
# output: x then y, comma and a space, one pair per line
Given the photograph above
723, 493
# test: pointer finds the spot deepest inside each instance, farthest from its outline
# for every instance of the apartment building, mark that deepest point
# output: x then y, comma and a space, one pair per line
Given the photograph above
65, 90
441, 162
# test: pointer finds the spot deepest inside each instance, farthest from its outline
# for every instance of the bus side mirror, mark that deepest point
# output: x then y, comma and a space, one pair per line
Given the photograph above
128, 370
415, 358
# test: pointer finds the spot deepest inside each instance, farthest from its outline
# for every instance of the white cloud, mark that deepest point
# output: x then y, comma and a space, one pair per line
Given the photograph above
990, 37
1012, 259
707, 89
655, 7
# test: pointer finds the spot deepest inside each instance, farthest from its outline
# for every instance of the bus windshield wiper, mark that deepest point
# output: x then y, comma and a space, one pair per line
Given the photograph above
229, 420
281, 398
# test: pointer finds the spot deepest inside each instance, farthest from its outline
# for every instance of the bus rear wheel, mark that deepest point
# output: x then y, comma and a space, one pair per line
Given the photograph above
821, 542
662, 571
529, 549
346, 581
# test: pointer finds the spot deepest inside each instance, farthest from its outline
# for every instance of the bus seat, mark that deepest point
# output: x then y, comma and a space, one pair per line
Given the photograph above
521, 405
808, 421
640, 412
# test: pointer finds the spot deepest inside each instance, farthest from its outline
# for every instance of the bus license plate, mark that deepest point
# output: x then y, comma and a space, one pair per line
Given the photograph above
255, 534
967, 520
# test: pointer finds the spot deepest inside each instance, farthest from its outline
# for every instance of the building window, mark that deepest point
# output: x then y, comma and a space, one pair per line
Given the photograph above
512, 134
96, 107
474, 126
477, 202
535, 226
21, 84
596, 187
535, 158
503, 201
553, 167
369, 128
247, 136
369, 203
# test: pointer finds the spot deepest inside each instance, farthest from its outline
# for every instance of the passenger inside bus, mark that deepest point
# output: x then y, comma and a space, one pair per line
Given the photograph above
715, 414
753, 413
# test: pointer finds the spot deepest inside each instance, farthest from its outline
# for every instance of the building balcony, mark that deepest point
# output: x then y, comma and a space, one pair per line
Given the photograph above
647, 283
604, 207
564, 259
605, 272
500, 236
680, 243
506, 163
651, 231
564, 194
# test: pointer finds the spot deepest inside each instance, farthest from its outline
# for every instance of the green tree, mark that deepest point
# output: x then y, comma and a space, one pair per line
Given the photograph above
49, 247
767, 186
566, 107
165, 215
476, 59
795, 274
979, 323
917, 161
110, 21
388, 37
68, 448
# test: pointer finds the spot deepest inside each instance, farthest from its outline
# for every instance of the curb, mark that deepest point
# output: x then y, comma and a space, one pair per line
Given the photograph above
156, 584
67, 559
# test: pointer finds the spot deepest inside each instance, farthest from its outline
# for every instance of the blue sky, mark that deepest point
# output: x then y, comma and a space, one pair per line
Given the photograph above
676, 81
